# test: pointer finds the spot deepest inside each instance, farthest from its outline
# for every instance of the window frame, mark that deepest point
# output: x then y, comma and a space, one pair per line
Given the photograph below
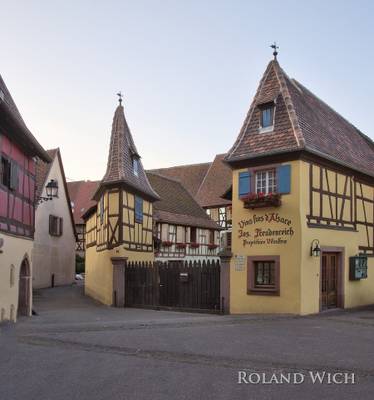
267, 180
55, 225
135, 166
255, 289
138, 213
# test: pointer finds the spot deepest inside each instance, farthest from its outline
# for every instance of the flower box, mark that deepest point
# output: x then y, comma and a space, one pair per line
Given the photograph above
259, 200
181, 245
194, 245
167, 243
212, 246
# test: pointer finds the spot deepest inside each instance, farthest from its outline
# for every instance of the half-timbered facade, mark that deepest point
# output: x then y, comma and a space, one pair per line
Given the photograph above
303, 205
119, 228
18, 149
182, 229
207, 182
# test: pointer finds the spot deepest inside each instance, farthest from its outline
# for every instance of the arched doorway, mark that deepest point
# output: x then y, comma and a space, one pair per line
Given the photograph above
24, 289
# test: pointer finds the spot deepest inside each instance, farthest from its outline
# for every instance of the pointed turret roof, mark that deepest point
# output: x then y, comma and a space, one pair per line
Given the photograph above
122, 151
302, 122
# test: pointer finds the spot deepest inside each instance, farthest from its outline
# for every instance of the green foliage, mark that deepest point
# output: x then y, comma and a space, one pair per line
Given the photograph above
79, 264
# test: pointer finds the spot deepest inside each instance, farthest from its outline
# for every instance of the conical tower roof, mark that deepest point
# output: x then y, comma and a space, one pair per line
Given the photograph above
122, 153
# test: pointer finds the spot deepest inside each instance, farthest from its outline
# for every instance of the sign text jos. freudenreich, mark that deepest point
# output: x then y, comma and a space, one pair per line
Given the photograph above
260, 230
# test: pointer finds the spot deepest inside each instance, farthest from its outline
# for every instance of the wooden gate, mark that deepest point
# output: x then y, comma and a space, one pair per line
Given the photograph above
173, 284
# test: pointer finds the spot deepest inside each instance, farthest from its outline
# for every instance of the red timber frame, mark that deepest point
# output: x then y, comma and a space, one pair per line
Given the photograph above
17, 206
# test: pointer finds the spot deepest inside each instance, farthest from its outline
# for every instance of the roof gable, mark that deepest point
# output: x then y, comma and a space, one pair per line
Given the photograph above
81, 194
42, 172
302, 122
122, 151
216, 182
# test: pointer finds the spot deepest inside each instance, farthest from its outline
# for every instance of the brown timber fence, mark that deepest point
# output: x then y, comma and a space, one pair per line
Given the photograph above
173, 284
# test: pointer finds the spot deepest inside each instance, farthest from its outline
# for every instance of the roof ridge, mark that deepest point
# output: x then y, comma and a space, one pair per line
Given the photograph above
250, 112
181, 166
334, 111
164, 177
290, 107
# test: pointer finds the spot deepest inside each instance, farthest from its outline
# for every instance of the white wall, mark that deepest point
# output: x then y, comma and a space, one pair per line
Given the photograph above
53, 254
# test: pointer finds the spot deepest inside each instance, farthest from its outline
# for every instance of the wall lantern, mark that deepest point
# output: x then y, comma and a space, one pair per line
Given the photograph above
315, 250
52, 191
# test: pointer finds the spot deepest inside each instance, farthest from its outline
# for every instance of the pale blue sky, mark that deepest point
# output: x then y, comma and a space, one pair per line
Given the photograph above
188, 69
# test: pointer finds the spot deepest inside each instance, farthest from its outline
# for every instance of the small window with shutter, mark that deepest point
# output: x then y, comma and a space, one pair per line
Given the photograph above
5, 172
55, 225
138, 210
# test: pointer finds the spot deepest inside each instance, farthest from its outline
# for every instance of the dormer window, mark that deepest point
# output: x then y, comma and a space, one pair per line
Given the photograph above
266, 117
135, 166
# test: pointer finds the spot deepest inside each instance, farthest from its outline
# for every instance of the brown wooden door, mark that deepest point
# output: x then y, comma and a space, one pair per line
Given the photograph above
329, 284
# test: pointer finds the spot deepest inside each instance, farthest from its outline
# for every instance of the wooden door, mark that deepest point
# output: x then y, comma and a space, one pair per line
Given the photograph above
329, 283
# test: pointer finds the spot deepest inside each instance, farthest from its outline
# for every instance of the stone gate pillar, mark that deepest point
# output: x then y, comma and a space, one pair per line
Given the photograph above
225, 257
118, 264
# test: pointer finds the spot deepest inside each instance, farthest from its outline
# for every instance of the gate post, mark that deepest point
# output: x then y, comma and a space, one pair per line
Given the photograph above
118, 264
225, 257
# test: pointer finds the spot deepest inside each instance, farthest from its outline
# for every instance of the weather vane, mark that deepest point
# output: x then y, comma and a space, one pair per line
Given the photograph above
120, 96
275, 47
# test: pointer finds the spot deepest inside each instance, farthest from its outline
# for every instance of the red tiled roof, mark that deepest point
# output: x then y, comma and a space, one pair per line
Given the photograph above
216, 182
177, 205
81, 193
191, 176
302, 122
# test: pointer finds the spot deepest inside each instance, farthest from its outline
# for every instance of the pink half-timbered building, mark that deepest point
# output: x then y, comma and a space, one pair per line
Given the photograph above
18, 153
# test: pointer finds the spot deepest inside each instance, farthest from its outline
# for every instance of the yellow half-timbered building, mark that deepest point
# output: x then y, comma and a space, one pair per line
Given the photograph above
119, 227
302, 205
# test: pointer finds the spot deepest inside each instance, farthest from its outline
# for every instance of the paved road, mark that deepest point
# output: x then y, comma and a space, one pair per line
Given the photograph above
78, 349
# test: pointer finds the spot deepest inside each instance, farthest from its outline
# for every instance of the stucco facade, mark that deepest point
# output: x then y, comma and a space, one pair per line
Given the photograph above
300, 272
54, 256
15, 251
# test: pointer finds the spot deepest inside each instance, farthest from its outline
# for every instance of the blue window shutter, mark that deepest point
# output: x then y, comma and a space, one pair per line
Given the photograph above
284, 179
244, 183
138, 209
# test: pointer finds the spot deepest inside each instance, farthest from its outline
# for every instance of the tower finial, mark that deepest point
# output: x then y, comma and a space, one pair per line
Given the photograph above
275, 52
120, 96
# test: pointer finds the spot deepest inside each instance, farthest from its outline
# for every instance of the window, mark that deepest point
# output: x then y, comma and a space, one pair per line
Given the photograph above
202, 237
138, 210
135, 166
266, 181
193, 235
208, 211
211, 237
222, 216
12, 275
263, 275
267, 117
5, 172
55, 226
172, 233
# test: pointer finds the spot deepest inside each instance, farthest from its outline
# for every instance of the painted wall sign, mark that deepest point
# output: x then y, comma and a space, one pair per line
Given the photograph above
256, 230
239, 262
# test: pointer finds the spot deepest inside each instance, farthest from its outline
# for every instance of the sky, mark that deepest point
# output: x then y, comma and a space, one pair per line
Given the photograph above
188, 70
